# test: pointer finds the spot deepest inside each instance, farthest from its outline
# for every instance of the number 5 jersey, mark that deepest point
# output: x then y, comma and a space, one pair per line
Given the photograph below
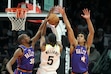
50, 58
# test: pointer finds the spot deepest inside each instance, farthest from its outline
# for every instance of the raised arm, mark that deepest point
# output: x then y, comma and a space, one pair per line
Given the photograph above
38, 34
42, 39
86, 16
43, 31
71, 37
60, 45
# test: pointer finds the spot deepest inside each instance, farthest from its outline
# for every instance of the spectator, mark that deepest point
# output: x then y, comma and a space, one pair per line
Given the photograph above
93, 57
82, 27
100, 40
3, 69
109, 50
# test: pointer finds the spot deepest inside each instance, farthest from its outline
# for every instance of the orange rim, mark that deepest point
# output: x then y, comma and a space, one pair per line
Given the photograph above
18, 11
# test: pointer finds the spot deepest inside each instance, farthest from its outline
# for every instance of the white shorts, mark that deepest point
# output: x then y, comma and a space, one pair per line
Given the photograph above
42, 71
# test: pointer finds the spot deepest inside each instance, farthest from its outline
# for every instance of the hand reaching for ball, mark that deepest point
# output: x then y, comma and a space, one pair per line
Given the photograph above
53, 19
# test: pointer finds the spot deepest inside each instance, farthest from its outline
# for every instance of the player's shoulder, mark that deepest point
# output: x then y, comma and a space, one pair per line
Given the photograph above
19, 50
48, 45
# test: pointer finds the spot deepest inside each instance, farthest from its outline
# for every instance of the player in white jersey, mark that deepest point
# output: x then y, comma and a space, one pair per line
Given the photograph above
50, 55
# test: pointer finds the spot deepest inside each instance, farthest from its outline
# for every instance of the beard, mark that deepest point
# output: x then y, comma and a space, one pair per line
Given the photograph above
30, 42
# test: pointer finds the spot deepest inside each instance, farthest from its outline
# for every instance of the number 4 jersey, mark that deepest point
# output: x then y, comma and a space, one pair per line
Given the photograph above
50, 58
80, 59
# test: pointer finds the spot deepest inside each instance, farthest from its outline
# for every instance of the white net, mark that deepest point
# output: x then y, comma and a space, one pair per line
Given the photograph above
17, 19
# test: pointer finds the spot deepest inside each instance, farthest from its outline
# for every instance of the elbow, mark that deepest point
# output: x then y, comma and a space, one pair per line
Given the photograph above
93, 32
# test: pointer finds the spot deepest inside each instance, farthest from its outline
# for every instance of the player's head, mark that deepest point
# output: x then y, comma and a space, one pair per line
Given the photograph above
24, 38
100, 32
52, 39
81, 37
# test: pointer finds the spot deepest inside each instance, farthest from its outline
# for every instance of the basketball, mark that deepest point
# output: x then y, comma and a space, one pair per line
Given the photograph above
53, 19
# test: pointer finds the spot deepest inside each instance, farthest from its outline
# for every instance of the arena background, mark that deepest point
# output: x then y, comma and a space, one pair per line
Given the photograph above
100, 16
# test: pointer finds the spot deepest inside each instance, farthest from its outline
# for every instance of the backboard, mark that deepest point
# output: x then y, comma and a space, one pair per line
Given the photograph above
31, 14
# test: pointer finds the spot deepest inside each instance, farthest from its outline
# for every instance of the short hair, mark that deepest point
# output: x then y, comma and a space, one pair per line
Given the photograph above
20, 38
85, 35
52, 38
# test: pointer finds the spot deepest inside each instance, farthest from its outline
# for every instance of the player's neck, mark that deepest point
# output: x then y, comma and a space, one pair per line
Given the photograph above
26, 45
82, 44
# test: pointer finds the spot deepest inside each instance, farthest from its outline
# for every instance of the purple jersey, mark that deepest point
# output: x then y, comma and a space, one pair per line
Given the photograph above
26, 62
79, 59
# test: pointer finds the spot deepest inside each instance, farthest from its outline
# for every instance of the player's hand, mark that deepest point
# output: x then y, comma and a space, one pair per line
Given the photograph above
61, 10
50, 12
86, 13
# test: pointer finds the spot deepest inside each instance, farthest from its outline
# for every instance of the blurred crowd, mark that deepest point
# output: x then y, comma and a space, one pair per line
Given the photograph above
100, 16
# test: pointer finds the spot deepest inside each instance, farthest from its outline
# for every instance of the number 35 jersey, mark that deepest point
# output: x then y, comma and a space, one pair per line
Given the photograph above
26, 62
50, 58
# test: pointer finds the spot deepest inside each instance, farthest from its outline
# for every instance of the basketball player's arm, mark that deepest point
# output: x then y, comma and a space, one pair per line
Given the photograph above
90, 28
17, 54
60, 45
42, 39
42, 43
71, 37
38, 34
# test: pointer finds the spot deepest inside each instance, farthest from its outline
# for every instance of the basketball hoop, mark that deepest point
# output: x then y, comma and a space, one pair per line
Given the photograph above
17, 16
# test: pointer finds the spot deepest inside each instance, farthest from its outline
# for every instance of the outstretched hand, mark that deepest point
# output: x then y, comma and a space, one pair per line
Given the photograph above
86, 13
61, 10
51, 11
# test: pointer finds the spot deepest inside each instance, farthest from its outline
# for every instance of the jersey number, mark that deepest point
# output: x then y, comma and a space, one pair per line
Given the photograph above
50, 60
32, 61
